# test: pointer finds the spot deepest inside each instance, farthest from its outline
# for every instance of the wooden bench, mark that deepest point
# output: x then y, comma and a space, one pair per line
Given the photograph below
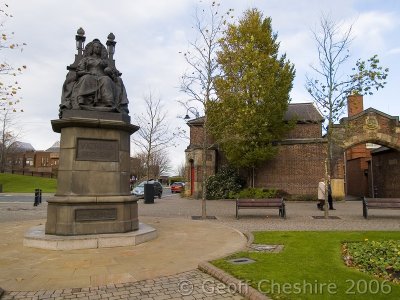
379, 203
278, 203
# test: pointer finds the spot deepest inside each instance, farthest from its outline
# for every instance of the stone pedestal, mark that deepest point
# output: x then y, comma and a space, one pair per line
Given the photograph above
36, 238
93, 195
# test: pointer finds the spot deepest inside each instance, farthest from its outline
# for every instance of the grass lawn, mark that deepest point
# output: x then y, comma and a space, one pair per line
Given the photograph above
27, 184
310, 267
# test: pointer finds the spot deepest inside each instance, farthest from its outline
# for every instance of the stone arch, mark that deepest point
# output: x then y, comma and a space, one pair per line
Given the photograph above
368, 126
350, 138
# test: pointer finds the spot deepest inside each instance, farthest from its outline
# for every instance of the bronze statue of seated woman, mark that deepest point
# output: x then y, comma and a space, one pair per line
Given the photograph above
93, 83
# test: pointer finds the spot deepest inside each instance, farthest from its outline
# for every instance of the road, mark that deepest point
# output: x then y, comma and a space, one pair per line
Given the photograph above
30, 197
17, 197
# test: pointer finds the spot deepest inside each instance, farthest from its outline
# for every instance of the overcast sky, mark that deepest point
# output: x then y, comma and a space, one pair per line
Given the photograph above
150, 34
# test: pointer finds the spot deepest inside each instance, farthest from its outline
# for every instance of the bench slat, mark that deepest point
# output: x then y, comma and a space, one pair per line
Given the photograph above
379, 203
259, 203
382, 200
262, 202
384, 205
272, 205
258, 200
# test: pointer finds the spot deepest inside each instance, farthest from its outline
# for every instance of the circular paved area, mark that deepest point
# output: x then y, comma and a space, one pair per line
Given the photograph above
174, 215
180, 246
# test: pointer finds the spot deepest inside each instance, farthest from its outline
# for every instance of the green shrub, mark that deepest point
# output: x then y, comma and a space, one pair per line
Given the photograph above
259, 193
223, 184
379, 258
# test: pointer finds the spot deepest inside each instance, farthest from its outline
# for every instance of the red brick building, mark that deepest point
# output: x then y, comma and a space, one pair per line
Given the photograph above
297, 168
358, 170
25, 159
299, 165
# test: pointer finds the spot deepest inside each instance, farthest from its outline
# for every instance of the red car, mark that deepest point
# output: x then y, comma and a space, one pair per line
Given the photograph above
177, 187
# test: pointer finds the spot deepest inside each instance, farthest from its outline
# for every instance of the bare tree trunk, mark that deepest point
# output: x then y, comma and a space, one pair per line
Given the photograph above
3, 144
326, 212
148, 166
328, 163
204, 173
253, 178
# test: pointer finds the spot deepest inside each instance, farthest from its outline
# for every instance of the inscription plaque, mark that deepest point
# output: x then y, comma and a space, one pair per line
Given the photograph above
97, 150
95, 214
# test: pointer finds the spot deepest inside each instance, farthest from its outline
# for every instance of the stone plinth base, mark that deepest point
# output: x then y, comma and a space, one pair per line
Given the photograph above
91, 215
36, 238
94, 155
93, 194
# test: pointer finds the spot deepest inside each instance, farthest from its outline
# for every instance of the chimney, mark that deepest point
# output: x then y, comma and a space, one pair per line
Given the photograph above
354, 105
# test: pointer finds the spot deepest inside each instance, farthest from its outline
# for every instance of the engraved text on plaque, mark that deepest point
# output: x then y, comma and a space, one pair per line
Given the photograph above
97, 150
95, 214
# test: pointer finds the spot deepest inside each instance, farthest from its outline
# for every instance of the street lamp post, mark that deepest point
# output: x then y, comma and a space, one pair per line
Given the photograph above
189, 109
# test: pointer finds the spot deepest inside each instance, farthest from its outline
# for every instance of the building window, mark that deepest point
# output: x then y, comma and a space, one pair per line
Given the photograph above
45, 161
29, 162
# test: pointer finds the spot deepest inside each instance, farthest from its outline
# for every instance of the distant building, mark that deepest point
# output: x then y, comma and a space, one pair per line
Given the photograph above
24, 158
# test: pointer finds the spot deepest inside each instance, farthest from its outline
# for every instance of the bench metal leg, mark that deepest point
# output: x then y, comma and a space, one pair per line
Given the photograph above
284, 212
237, 212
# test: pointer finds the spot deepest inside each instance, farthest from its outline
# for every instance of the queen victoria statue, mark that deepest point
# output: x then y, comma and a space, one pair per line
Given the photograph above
93, 194
93, 82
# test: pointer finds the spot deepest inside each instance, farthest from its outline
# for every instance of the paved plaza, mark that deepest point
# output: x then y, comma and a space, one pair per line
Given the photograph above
165, 268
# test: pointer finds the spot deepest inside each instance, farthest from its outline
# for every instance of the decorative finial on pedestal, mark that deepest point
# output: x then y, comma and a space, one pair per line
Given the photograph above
80, 31
80, 40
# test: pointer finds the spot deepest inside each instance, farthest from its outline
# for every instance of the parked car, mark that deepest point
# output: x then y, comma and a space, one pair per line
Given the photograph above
177, 187
138, 191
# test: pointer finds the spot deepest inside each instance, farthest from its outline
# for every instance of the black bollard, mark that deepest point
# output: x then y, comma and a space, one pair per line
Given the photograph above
38, 197
36, 203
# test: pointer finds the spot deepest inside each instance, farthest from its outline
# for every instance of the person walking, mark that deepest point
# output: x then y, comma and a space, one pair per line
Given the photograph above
321, 194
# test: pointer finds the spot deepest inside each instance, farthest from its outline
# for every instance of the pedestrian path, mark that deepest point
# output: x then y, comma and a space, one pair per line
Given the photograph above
193, 284
165, 268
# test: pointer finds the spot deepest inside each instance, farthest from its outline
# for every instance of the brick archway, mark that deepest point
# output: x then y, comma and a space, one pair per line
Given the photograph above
368, 126
367, 172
